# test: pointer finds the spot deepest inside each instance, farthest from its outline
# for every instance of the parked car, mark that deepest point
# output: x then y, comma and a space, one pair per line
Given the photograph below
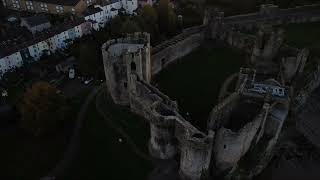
86, 82
72, 73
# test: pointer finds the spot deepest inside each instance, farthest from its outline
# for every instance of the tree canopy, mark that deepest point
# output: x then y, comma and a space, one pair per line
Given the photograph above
89, 56
42, 109
129, 26
167, 18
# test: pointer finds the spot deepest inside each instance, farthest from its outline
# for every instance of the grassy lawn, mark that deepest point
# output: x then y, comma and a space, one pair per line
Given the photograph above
135, 126
303, 35
195, 80
24, 156
102, 156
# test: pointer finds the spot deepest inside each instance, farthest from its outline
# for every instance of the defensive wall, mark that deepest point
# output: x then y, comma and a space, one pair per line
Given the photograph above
131, 64
233, 31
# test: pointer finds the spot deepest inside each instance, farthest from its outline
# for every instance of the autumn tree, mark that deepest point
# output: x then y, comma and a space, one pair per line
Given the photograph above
149, 15
89, 57
129, 26
43, 109
167, 18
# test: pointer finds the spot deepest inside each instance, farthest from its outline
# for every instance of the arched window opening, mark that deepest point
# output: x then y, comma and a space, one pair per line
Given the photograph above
133, 66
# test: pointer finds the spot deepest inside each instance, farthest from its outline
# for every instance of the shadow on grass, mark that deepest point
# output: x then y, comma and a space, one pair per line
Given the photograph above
195, 80
101, 154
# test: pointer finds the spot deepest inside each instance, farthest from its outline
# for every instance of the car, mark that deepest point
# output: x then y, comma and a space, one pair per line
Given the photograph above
71, 73
86, 82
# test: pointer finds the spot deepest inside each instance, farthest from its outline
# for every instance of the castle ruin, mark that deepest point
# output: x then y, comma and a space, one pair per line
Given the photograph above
130, 63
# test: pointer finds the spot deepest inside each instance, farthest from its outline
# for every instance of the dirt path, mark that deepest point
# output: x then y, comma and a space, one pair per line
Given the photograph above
71, 151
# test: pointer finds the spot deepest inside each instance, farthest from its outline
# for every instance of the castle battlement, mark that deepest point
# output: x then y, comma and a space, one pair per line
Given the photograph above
231, 132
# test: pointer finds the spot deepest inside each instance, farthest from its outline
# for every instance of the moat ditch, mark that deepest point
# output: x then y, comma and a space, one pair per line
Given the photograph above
194, 81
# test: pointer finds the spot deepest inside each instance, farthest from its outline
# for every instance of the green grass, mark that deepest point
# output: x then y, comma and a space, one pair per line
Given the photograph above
135, 126
24, 156
101, 156
303, 35
195, 80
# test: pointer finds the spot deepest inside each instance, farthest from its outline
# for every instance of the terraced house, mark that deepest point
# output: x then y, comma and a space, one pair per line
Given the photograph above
49, 6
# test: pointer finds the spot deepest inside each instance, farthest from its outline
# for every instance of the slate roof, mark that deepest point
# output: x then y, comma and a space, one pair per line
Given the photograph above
12, 46
92, 10
36, 20
61, 2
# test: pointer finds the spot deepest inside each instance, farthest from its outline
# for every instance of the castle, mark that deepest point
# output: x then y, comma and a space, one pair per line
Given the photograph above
265, 91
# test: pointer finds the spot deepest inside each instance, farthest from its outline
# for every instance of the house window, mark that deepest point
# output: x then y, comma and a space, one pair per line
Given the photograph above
29, 5
44, 7
133, 66
89, 2
16, 4
59, 9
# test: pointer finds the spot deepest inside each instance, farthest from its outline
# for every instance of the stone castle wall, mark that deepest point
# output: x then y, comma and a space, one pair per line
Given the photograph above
176, 48
171, 134
229, 30
271, 14
313, 82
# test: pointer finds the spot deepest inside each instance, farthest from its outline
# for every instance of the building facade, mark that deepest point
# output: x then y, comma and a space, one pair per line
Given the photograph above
32, 51
49, 6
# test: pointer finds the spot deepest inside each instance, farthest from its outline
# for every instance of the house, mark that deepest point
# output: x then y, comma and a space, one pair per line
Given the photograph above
96, 15
35, 23
100, 15
49, 6
15, 54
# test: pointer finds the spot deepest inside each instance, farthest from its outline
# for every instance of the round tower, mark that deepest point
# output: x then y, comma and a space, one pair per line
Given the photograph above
162, 143
195, 158
122, 57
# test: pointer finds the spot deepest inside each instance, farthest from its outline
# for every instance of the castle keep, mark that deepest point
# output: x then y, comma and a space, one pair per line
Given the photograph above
231, 136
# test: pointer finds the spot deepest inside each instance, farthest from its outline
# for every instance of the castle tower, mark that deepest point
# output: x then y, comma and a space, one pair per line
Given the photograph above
267, 44
122, 57
214, 19
196, 150
162, 143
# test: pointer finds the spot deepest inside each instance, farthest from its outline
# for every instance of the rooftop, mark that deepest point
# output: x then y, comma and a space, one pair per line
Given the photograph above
92, 10
11, 46
36, 20
61, 2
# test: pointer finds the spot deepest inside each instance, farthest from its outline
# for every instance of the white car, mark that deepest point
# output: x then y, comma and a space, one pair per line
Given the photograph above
86, 82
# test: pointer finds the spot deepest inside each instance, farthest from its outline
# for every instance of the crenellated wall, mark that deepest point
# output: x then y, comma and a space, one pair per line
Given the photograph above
176, 48
129, 69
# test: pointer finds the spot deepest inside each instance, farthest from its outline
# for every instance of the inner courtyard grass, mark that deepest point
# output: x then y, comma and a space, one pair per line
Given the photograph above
303, 35
195, 80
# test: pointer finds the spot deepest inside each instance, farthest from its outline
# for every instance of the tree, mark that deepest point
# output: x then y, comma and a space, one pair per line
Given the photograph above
167, 18
129, 26
115, 25
148, 22
89, 56
149, 15
43, 109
